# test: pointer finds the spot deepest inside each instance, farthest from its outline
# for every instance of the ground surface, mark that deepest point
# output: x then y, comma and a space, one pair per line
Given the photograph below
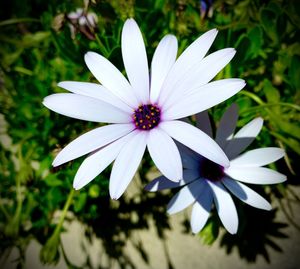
180, 250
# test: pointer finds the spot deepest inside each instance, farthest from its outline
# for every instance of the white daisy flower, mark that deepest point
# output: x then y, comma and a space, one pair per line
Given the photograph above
207, 182
144, 111
82, 21
83, 18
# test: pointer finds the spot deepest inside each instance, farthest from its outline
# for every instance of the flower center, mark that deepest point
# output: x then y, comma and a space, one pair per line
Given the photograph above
146, 117
211, 170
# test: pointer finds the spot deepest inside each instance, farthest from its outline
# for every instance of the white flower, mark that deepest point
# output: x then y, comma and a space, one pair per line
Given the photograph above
143, 113
207, 182
82, 21
83, 18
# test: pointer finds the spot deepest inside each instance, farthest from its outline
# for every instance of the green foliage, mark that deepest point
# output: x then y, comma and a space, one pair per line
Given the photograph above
38, 50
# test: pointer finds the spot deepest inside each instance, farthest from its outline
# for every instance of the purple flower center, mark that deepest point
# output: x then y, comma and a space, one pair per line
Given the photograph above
211, 170
146, 117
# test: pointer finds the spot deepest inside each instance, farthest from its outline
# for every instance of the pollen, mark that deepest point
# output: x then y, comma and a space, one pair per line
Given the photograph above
146, 117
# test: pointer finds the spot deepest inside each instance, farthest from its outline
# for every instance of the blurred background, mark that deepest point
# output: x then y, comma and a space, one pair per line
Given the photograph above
45, 224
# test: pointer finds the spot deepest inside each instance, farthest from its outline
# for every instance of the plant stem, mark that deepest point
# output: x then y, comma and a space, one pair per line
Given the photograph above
255, 108
49, 252
64, 212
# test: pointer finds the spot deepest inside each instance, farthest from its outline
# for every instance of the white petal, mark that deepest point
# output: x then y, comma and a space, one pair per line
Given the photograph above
246, 195
258, 157
93, 165
92, 19
163, 59
201, 210
203, 98
73, 15
208, 68
203, 123
225, 207
165, 154
255, 175
127, 163
82, 21
186, 63
96, 91
135, 60
227, 125
190, 175
243, 138
196, 140
111, 78
85, 108
190, 159
186, 196
91, 141
162, 183
201, 74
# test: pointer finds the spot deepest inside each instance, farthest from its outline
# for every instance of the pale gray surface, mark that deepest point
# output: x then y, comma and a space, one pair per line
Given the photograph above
184, 250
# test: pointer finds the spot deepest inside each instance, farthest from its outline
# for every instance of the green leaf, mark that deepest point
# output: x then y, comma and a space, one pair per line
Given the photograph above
94, 191
268, 20
290, 142
17, 20
80, 201
159, 4
9, 58
34, 39
293, 73
285, 126
210, 232
272, 95
242, 46
255, 36
281, 25
52, 181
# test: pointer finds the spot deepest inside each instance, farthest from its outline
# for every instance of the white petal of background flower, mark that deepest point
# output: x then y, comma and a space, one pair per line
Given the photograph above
85, 108
196, 140
164, 154
96, 91
186, 62
91, 141
203, 123
135, 60
201, 74
203, 98
111, 78
162, 183
82, 21
186, 196
225, 207
190, 159
227, 126
190, 175
243, 138
127, 163
163, 59
255, 175
258, 157
92, 19
201, 210
93, 165
245, 194
74, 15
